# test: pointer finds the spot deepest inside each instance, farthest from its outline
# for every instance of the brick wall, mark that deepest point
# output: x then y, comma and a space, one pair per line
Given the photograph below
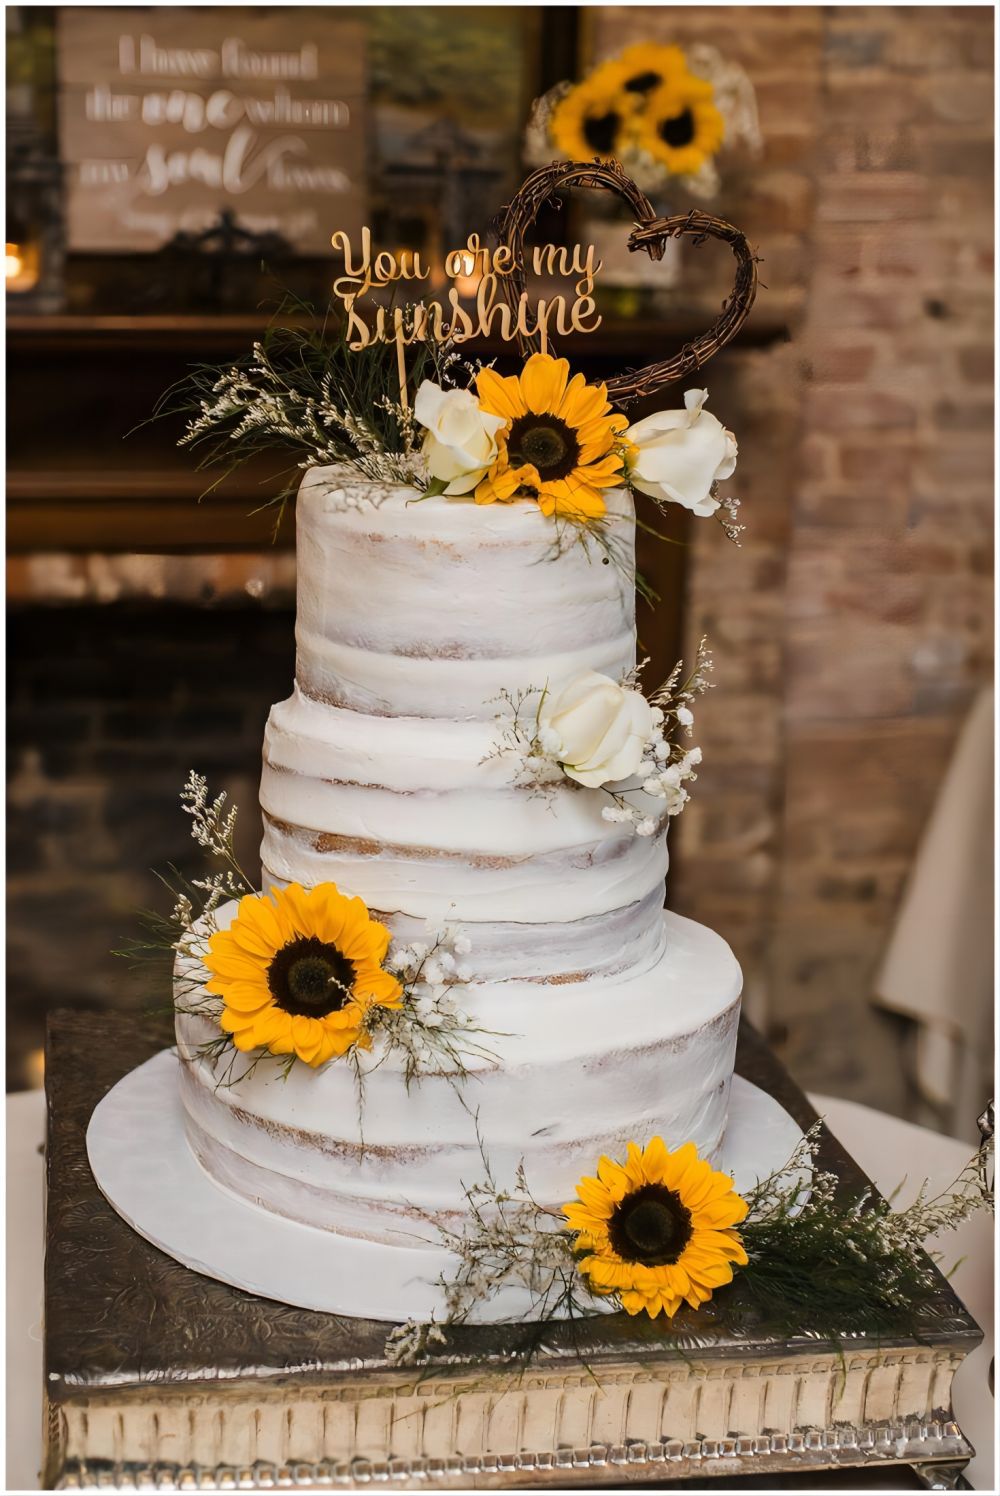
108, 709
855, 625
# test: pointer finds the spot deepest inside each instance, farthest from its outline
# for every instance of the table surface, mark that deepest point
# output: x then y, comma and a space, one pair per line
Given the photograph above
889, 1151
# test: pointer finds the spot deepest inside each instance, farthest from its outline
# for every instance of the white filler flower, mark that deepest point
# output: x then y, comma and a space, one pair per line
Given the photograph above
601, 728
681, 453
460, 445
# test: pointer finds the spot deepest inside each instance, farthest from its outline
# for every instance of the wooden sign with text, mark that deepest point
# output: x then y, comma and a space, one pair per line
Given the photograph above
169, 115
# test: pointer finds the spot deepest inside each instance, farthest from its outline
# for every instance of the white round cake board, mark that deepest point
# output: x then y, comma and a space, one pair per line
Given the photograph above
144, 1167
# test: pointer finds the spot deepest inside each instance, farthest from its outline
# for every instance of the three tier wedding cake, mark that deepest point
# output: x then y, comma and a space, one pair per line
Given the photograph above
601, 1018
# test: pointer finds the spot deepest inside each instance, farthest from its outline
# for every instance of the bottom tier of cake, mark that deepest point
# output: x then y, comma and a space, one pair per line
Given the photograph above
579, 1071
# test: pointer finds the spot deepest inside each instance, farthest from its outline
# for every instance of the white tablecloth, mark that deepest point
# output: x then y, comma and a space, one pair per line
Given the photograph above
891, 1151
25, 1234
938, 966
887, 1149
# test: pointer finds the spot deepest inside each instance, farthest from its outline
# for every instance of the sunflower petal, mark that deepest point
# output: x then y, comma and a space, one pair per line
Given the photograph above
574, 500
543, 382
583, 402
242, 997
499, 396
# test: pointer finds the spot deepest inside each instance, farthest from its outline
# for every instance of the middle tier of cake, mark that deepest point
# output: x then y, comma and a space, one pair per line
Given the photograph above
420, 818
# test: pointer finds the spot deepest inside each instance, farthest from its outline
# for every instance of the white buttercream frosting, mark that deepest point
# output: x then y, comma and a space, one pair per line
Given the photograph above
579, 1070
429, 607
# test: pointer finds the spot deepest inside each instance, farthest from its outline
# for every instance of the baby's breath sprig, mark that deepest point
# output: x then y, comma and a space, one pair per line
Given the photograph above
666, 765
522, 736
304, 392
431, 1031
675, 693
508, 1240
213, 827
263, 403
179, 940
728, 516
832, 1264
185, 932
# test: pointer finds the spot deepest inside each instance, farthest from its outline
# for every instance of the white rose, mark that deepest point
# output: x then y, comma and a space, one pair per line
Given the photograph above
602, 728
460, 445
681, 453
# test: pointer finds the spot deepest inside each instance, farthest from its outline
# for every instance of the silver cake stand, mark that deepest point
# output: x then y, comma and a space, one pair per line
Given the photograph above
158, 1378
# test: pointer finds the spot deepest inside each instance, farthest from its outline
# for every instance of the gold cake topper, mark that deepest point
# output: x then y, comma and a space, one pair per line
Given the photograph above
453, 322
501, 303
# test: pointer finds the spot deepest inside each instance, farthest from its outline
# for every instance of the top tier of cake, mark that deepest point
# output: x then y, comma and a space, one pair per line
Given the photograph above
429, 607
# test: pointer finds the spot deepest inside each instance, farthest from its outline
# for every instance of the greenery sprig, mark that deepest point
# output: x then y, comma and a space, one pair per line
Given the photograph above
304, 392
833, 1264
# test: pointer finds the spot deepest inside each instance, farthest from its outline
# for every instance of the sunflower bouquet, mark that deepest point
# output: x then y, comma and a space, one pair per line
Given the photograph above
664, 112
552, 438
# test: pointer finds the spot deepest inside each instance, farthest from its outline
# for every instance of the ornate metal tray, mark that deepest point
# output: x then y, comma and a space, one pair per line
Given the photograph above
159, 1379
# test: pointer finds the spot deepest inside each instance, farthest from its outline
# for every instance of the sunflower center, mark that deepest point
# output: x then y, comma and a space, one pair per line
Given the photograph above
643, 83
651, 1225
546, 442
310, 978
678, 130
600, 131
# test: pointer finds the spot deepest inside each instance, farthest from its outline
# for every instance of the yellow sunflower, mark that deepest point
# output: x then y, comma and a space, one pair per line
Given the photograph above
657, 1230
680, 126
591, 119
647, 65
298, 971
561, 444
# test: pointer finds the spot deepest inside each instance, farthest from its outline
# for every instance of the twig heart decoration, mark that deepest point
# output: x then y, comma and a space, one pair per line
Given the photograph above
650, 234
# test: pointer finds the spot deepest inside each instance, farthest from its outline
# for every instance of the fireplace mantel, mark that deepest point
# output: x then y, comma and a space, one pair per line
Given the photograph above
88, 471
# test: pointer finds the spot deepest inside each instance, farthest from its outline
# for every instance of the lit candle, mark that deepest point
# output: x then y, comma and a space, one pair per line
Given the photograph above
467, 281
21, 267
